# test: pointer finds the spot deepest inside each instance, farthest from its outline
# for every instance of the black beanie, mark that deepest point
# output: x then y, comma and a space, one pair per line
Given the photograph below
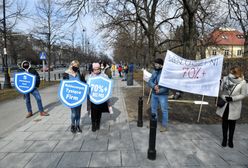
159, 61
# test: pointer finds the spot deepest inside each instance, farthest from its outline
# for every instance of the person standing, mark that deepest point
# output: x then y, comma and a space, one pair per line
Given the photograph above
97, 109
73, 73
233, 90
26, 67
159, 94
113, 68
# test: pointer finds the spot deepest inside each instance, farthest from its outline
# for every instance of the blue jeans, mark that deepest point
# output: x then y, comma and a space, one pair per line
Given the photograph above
163, 100
75, 115
37, 97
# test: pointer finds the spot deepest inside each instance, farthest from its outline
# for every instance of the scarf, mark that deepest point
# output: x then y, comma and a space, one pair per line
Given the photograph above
231, 82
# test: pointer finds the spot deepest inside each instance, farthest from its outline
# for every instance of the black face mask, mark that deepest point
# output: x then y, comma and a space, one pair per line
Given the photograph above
75, 69
25, 66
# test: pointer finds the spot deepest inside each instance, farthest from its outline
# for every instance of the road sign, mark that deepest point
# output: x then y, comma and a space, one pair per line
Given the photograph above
42, 55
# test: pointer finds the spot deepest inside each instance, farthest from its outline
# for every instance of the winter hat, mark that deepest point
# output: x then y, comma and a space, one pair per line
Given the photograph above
159, 61
95, 65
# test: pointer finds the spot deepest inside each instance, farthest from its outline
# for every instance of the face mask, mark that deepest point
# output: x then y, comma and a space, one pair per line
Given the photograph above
75, 69
25, 66
157, 67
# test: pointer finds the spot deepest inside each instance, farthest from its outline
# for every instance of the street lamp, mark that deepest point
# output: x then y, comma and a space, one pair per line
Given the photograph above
7, 83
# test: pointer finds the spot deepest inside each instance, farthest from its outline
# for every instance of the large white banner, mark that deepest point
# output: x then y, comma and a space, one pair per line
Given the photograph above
194, 76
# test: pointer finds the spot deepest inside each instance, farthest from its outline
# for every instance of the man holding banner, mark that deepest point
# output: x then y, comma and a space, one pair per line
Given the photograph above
26, 67
159, 94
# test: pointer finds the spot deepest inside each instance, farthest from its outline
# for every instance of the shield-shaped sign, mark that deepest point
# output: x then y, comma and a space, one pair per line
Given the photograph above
24, 82
100, 89
72, 93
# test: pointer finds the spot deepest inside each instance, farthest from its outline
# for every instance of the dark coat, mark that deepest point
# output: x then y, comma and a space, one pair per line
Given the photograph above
33, 72
82, 78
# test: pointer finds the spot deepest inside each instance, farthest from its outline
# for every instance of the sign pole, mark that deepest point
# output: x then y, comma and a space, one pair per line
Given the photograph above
200, 109
43, 67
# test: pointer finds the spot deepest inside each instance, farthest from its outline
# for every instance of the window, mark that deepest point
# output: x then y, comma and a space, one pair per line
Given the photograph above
214, 52
239, 52
226, 53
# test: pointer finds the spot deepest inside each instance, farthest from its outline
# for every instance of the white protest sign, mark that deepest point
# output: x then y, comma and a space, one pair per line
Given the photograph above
194, 76
146, 75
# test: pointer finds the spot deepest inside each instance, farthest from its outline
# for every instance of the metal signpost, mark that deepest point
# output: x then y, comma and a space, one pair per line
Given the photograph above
43, 58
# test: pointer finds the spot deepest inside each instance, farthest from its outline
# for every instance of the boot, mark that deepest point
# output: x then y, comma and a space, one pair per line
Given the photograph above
224, 132
224, 142
97, 125
78, 129
93, 127
230, 143
73, 129
232, 124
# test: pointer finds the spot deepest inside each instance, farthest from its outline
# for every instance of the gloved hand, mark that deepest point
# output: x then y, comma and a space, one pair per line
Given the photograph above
229, 99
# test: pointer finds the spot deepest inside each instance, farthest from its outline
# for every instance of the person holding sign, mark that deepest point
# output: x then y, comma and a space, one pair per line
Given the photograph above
159, 94
233, 90
97, 109
26, 67
73, 73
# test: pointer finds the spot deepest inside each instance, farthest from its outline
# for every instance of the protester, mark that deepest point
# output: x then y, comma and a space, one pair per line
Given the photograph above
97, 109
159, 94
125, 70
113, 68
26, 66
233, 90
106, 70
120, 70
73, 73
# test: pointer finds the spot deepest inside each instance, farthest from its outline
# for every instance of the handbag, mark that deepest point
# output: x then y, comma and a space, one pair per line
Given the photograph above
221, 102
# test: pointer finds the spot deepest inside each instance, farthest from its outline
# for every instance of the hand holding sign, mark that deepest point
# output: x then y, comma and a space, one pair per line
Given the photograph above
100, 89
72, 93
24, 82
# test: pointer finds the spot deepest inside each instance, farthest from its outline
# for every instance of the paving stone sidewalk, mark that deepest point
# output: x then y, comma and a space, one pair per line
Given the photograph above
48, 142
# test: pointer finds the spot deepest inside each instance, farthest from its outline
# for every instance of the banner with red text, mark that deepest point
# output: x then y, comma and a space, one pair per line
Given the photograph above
193, 76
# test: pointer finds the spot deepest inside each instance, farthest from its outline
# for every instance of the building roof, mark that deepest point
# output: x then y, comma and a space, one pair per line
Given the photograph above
227, 37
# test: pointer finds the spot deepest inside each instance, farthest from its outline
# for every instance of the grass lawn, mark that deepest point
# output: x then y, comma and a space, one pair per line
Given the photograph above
7, 94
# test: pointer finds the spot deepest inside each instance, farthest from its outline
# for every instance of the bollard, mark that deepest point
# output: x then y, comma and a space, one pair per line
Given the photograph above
59, 75
151, 154
55, 77
140, 111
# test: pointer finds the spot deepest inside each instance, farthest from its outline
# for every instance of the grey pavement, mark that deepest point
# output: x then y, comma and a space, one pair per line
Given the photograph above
48, 142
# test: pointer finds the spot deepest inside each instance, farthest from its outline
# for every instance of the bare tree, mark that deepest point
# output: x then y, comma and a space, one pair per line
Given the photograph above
238, 11
48, 26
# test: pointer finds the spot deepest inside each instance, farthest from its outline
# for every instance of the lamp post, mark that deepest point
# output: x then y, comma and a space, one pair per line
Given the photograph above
7, 83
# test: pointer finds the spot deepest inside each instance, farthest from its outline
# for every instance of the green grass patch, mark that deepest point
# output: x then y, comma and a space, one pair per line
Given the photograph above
8, 94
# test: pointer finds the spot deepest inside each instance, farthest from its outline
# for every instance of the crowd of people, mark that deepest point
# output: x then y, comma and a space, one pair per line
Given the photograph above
233, 90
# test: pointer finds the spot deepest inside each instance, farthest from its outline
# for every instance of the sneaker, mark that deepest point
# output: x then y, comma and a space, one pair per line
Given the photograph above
110, 110
44, 114
73, 129
29, 114
78, 129
163, 129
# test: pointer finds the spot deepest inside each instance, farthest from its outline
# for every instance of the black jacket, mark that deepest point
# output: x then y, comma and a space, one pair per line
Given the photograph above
33, 72
82, 78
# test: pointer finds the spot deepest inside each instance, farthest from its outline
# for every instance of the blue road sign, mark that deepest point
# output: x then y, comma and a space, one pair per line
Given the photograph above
24, 82
42, 55
100, 89
72, 93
